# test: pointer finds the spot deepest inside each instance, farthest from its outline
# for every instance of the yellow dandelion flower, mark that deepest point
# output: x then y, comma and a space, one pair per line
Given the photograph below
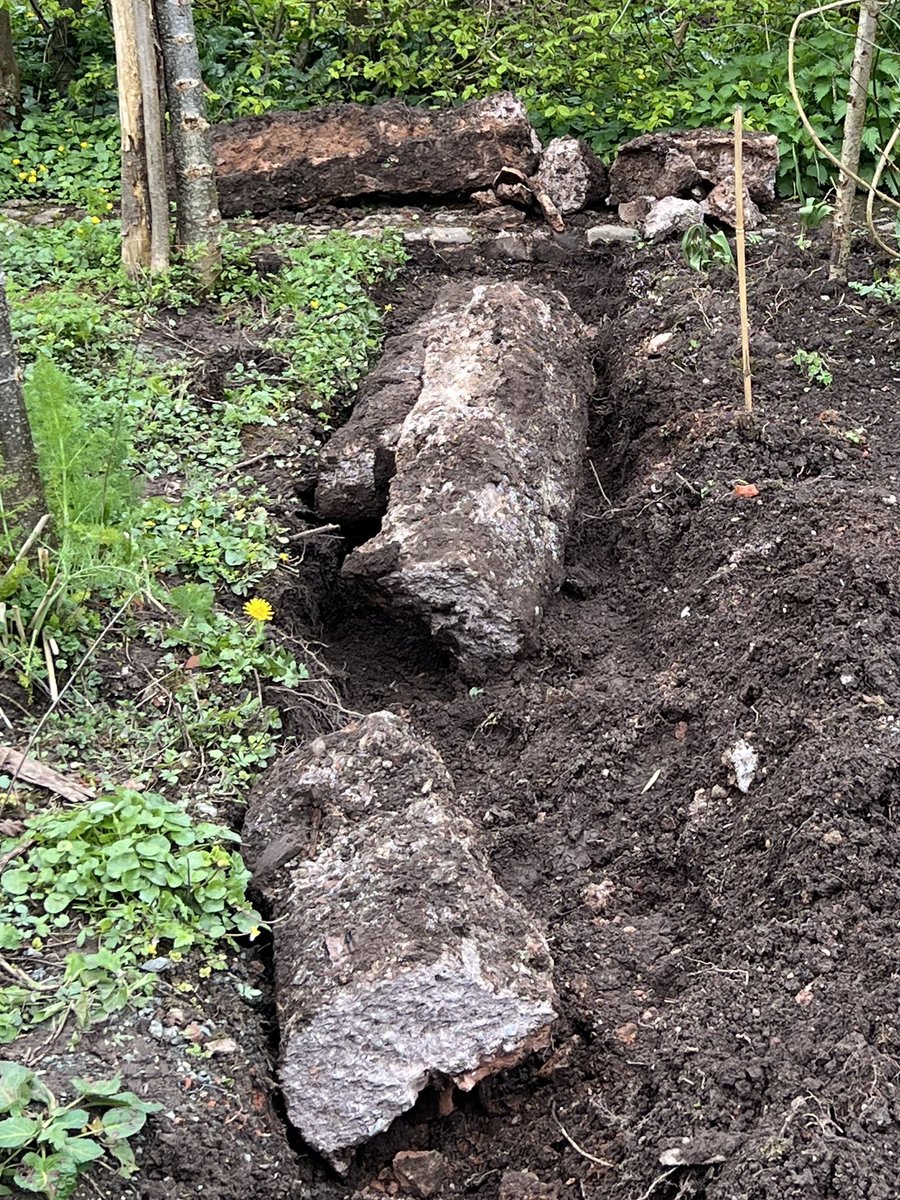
259, 610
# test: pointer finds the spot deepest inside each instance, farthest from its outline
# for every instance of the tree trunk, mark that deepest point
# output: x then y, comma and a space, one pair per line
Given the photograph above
19, 461
854, 123
135, 190
145, 202
198, 220
10, 86
154, 148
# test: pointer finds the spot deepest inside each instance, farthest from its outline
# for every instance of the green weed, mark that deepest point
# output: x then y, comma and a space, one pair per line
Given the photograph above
46, 1145
814, 367
98, 890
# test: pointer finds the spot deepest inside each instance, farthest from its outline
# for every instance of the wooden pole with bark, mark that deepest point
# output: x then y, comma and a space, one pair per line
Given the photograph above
21, 480
854, 124
198, 219
145, 202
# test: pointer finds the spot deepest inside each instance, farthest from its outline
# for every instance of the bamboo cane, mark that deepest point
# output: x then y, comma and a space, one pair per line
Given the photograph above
740, 245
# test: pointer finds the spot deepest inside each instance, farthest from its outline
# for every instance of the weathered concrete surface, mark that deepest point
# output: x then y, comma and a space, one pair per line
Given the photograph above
670, 164
572, 175
487, 464
671, 215
286, 160
398, 959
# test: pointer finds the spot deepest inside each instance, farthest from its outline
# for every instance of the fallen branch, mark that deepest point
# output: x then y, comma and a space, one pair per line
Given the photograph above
30, 770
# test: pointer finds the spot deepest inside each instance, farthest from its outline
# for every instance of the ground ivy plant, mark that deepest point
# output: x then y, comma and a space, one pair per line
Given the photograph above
46, 1145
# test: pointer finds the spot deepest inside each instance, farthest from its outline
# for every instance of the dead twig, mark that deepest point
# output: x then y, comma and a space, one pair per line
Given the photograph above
601, 1162
308, 533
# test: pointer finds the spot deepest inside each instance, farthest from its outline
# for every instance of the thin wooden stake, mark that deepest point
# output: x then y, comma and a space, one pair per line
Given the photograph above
741, 254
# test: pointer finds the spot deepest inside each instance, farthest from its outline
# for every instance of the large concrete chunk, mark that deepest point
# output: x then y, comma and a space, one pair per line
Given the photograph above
572, 175
286, 160
399, 961
487, 464
670, 164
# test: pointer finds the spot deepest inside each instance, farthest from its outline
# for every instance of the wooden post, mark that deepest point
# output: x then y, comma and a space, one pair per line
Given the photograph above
854, 124
18, 461
740, 246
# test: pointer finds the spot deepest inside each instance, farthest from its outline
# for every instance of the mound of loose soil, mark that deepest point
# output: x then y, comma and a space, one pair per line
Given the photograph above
726, 959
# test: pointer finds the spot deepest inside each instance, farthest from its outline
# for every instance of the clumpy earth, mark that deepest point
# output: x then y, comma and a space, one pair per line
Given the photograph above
691, 781
726, 959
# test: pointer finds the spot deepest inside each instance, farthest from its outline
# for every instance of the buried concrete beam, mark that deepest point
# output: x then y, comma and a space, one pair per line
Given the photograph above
483, 455
289, 160
399, 961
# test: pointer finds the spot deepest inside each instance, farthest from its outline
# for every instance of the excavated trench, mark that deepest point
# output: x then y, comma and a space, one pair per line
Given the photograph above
724, 1030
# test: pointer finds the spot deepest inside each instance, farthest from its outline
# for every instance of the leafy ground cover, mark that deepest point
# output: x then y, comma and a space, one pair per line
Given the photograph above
596, 68
140, 648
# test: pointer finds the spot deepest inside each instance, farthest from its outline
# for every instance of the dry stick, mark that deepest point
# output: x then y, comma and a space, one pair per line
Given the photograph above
84, 658
870, 202
601, 1162
741, 254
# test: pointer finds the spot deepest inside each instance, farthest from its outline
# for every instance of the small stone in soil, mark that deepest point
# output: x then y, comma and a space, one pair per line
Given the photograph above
422, 1172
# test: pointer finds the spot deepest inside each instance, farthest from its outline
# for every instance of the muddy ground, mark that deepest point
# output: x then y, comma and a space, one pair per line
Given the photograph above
726, 960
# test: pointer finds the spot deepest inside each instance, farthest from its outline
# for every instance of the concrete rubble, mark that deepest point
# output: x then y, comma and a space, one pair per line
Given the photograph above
399, 961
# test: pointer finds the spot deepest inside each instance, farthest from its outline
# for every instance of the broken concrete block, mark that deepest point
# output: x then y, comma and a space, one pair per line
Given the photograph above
399, 961
670, 216
487, 467
606, 235
285, 160
668, 164
572, 175
721, 205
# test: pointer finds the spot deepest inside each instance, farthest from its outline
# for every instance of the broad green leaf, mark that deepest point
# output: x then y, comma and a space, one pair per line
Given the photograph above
16, 1132
96, 1087
15, 1081
123, 1122
83, 1150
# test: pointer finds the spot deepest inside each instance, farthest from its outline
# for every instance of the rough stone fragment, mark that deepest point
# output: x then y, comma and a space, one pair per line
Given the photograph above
525, 1185
601, 235
572, 175
421, 1172
671, 215
721, 205
398, 959
487, 465
668, 164
284, 160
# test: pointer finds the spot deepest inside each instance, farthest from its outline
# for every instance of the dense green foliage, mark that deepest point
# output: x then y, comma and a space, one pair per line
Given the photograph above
605, 69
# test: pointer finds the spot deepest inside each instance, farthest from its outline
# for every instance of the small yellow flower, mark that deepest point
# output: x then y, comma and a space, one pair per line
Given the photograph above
17, 162
23, 175
389, 308
109, 206
259, 610
284, 557
60, 149
84, 145
313, 304
41, 167
95, 220
196, 523
32, 178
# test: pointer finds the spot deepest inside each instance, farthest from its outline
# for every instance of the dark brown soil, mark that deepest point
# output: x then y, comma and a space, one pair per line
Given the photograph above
726, 960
